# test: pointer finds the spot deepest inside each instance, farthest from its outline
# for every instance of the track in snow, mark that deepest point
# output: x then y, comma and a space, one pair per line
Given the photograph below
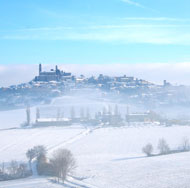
72, 139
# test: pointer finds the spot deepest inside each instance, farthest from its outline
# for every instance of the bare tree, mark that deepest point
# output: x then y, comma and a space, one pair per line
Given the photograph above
2, 168
37, 114
72, 112
104, 111
110, 109
148, 149
58, 113
28, 115
185, 145
63, 163
163, 147
62, 114
87, 113
82, 113
22, 170
13, 168
116, 111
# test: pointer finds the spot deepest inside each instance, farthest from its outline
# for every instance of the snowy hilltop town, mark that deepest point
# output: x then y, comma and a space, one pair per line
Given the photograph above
55, 83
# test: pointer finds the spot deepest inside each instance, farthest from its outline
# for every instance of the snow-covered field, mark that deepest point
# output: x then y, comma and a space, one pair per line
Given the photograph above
106, 157
18, 141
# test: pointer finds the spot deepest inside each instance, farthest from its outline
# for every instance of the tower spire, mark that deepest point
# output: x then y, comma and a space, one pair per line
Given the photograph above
40, 68
56, 69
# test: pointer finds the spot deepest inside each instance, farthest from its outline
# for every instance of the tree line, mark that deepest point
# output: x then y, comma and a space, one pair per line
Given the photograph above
14, 170
164, 148
59, 165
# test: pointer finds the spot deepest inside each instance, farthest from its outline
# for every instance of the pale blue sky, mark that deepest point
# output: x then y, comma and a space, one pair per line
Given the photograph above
94, 31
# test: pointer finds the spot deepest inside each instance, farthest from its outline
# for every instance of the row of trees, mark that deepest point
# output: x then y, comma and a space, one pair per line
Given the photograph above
84, 113
164, 148
60, 165
14, 170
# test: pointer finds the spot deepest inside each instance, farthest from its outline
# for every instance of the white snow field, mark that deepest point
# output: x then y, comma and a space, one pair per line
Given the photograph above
11, 118
106, 157
18, 141
14, 118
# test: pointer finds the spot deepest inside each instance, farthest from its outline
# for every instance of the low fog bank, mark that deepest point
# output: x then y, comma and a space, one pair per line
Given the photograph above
97, 101
89, 101
177, 73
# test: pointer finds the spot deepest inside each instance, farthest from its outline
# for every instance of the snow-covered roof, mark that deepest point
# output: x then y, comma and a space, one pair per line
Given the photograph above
52, 119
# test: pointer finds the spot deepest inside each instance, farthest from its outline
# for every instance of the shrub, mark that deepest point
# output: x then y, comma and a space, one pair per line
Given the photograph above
148, 149
163, 147
185, 145
14, 171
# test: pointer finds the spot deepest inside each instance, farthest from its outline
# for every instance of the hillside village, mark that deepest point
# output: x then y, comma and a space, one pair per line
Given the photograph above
55, 83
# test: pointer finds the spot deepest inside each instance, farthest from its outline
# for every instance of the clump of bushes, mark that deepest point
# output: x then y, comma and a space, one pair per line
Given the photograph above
164, 148
59, 165
39, 154
185, 145
14, 170
148, 149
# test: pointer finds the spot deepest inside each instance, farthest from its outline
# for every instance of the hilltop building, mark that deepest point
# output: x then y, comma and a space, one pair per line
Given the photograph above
52, 75
166, 84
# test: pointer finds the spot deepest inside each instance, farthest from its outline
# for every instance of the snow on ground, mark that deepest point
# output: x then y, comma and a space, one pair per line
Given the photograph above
171, 171
17, 141
112, 157
30, 183
106, 157
12, 118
